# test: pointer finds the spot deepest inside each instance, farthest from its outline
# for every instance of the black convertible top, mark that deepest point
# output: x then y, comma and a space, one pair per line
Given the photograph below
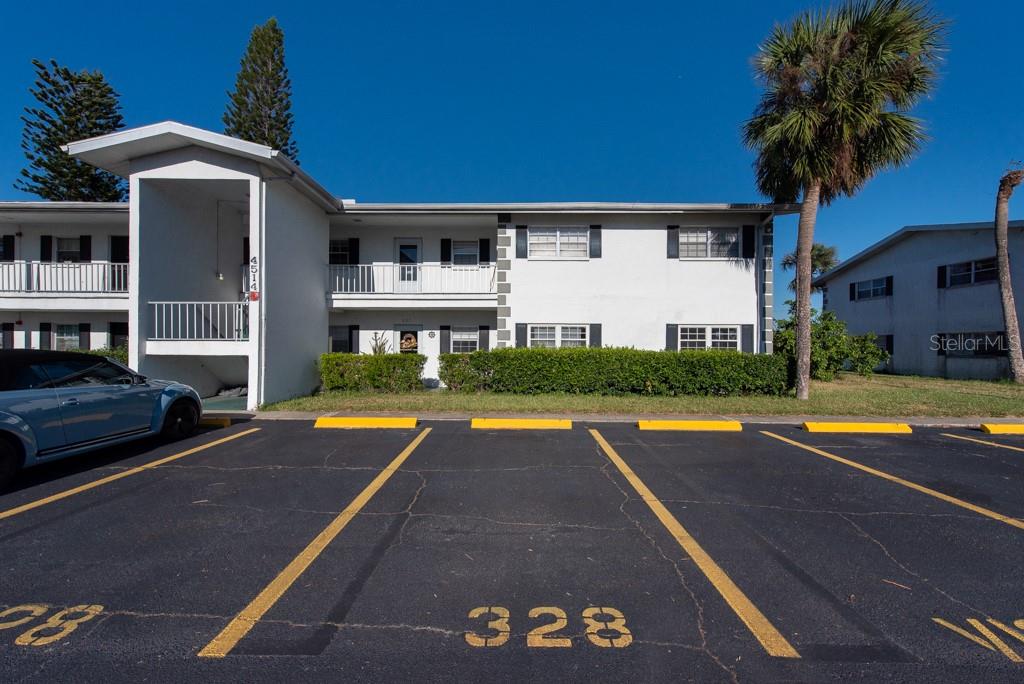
13, 360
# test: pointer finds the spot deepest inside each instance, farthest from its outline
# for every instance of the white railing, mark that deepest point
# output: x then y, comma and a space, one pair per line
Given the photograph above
410, 278
227, 321
44, 276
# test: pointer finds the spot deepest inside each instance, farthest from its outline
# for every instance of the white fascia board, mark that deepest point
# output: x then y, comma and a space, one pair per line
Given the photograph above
564, 208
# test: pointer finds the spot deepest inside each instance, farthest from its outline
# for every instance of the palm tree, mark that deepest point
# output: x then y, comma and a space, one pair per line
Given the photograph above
1006, 186
837, 89
823, 258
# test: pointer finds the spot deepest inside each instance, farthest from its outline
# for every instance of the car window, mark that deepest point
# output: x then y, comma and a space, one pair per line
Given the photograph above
23, 377
83, 373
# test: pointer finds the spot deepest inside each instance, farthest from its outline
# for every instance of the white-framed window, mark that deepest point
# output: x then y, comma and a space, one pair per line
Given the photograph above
869, 289
709, 337
67, 337
465, 339
559, 242
465, 252
971, 272
557, 335
709, 243
70, 249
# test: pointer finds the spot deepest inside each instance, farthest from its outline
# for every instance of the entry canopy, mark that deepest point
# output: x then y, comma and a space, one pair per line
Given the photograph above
114, 152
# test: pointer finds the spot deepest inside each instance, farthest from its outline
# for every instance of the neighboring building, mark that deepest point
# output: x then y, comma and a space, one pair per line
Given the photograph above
231, 266
931, 294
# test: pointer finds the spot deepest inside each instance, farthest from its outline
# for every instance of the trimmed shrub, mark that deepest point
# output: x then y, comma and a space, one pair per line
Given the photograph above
832, 348
614, 371
119, 354
386, 372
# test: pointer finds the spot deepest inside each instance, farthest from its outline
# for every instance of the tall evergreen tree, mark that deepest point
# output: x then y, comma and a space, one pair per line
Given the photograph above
260, 107
72, 105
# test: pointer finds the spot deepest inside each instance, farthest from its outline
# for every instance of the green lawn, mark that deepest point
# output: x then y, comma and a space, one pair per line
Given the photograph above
851, 395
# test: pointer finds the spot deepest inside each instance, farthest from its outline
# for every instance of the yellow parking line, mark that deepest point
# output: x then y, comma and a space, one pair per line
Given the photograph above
348, 422
695, 425
763, 630
906, 483
236, 630
886, 428
520, 424
1003, 428
983, 441
111, 478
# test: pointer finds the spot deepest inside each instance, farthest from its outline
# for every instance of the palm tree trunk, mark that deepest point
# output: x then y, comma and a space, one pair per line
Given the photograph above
1006, 185
804, 244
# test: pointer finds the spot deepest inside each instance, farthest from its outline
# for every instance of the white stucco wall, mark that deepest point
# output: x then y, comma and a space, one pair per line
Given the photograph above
387, 323
26, 247
633, 290
377, 236
294, 267
919, 309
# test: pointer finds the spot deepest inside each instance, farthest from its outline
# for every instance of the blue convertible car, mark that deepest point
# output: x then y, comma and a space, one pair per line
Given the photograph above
56, 404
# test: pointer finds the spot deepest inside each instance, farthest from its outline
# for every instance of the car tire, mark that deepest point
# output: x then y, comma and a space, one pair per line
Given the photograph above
181, 421
8, 463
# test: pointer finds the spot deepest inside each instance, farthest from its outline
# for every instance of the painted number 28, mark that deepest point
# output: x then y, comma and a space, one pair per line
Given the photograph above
54, 628
605, 627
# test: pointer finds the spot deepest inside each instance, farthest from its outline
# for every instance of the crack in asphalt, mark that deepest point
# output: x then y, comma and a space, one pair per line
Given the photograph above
931, 585
701, 630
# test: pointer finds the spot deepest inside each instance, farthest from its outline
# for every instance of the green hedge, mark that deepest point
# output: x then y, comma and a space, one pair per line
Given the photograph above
387, 372
119, 354
614, 371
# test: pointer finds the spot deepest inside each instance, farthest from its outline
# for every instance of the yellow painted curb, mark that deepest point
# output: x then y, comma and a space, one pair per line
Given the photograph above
349, 422
520, 424
215, 422
695, 425
889, 428
1003, 428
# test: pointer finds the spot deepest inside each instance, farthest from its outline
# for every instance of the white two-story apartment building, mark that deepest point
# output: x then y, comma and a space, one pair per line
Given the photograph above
232, 266
931, 294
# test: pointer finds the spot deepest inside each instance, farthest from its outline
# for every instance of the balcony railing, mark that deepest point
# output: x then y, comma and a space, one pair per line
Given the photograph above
411, 279
64, 277
200, 321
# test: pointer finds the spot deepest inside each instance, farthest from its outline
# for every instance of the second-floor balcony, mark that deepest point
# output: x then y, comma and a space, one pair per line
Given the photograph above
92, 277
411, 279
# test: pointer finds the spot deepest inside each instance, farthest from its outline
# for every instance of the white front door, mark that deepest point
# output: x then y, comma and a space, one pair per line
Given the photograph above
408, 257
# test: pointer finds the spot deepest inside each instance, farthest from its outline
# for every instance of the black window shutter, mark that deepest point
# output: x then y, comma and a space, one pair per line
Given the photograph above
889, 344
941, 284
83, 335
353, 253
521, 242
8, 248
595, 242
45, 330
853, 292
485, 250
245, 252
671, 337
446, 339
520, 334
888, 286
595, 335
353, 339
7, 330
485, 338
446, 251
749, 242
747, 338
673, 242
46, 248
85, 248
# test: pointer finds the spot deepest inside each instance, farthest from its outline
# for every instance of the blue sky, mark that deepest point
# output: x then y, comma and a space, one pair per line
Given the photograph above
519, 101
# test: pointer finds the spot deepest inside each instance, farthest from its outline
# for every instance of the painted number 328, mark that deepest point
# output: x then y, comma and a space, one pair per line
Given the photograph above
605, 627
54, 628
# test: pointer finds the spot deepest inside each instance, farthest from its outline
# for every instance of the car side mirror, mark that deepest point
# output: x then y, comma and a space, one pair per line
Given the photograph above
140, 379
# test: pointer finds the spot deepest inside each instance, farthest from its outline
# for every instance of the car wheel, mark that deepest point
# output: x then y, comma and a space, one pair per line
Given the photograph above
181, 420
8, 463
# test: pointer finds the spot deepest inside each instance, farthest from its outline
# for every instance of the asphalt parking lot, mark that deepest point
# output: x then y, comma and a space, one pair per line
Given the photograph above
269, 549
